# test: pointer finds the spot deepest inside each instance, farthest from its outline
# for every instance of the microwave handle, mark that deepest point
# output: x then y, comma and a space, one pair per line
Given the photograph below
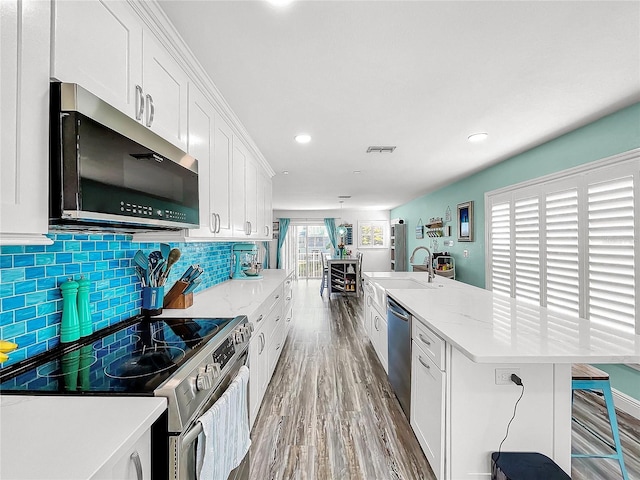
151, 111
139, 103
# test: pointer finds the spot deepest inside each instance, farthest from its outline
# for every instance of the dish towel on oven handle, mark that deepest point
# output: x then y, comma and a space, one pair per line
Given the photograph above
224, 440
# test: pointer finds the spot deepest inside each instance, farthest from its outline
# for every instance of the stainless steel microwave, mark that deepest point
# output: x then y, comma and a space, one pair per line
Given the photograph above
110, 172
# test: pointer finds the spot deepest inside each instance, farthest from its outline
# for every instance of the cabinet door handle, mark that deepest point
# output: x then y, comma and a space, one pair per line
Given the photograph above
278, 318
369, 300
259, 319
278, 347
151, 111
139, 103
219, 223
266, 230
288, 298
428, 367
262, 342
375, 322
135, 458
288, 319
423, 339
213, 223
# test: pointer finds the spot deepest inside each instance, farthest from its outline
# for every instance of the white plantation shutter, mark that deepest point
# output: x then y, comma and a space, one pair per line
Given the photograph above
568, 241
611, 287
527, 249
500, 246
563, 263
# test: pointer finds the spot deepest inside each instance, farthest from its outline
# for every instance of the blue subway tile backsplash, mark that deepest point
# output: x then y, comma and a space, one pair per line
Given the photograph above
30, 277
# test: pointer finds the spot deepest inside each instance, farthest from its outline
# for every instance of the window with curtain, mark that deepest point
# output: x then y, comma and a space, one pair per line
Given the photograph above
568, 241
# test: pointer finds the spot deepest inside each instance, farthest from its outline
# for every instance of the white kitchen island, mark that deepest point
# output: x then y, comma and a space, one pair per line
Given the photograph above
481, 334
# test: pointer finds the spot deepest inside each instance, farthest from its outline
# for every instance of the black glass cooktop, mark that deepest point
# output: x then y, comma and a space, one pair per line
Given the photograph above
134, 359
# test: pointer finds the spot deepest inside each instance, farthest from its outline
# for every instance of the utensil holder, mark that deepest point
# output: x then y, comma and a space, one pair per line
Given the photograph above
152, 300
184, 300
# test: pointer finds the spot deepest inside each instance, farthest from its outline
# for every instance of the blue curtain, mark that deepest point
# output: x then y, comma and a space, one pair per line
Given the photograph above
284, 226
265, 262
330, 223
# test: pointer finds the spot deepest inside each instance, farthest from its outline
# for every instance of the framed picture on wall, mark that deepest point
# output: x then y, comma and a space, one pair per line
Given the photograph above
465, 222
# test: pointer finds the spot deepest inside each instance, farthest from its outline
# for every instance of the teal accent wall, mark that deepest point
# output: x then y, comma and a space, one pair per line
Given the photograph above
613, 134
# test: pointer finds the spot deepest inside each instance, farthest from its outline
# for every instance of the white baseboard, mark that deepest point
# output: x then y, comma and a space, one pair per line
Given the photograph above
626, 403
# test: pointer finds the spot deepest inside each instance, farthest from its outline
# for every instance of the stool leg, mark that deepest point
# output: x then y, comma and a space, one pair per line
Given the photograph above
611, 410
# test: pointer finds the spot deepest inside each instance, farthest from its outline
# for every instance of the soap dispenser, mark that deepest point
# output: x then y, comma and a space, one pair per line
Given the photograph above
69, 328
84, 309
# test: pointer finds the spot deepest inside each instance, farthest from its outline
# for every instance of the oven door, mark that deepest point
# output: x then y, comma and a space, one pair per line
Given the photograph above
182, 448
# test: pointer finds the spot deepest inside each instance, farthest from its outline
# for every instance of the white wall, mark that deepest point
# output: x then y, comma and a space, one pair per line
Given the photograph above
374, 259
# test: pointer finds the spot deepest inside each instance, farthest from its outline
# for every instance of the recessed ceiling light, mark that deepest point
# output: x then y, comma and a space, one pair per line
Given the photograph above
478, 137
285, 172
303, 138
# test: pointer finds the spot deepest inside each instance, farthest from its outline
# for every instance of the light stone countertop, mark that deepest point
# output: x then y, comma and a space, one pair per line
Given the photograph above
490, 328
230, 298
69, 437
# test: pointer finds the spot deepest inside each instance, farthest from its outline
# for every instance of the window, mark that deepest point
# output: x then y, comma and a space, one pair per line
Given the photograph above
568, 241
373, 234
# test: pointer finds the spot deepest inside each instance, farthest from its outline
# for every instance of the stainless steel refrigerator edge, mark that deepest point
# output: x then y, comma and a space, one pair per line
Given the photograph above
399, 328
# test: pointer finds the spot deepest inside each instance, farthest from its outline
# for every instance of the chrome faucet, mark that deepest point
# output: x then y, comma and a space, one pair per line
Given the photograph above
429, 261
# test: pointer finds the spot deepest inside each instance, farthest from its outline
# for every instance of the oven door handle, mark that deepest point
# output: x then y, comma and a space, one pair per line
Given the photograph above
191, 435
196, 429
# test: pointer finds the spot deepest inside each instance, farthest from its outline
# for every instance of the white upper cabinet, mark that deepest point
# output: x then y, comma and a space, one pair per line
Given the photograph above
211, 143
240, 228
165, 92
251, 197
98, 45
24, 121
265, 211
221, 178
201, 145
104, 47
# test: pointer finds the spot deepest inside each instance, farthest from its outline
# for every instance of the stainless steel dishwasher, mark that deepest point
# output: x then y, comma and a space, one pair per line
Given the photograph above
399, 328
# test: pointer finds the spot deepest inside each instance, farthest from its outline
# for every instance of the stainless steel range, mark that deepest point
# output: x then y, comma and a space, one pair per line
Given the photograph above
189, 361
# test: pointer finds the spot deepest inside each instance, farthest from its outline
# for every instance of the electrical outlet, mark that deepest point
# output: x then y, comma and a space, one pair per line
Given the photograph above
465, 253
503, 375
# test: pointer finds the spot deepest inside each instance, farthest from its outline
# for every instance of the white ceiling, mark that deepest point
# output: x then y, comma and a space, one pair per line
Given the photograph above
420, 75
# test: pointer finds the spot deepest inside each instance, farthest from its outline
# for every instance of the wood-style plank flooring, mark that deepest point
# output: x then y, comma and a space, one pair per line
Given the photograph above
329, 412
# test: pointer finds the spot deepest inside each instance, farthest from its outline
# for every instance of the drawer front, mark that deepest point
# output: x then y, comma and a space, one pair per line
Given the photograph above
428, 341
273, 302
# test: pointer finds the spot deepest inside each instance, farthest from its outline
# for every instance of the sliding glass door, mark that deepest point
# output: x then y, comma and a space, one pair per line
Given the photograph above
311, 242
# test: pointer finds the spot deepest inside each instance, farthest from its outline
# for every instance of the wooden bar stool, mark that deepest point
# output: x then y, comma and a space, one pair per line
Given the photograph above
587, 377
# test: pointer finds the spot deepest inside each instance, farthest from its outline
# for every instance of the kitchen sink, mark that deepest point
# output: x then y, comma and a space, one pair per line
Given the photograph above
388, 283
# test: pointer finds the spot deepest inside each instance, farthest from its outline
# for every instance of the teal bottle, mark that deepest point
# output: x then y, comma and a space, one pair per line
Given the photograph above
70, 327
84, 309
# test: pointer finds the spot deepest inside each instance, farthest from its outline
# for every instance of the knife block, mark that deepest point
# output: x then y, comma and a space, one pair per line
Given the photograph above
184, 300
176, 291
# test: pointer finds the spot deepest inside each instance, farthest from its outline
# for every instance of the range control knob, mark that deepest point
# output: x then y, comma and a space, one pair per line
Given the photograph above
214, 370
204, 380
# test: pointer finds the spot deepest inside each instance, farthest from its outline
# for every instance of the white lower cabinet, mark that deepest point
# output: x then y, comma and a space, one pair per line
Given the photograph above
427, 407
380, 337
271, 323
134, 464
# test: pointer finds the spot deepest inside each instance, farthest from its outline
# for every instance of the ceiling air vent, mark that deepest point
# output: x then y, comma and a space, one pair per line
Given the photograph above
344, 196
380, 149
